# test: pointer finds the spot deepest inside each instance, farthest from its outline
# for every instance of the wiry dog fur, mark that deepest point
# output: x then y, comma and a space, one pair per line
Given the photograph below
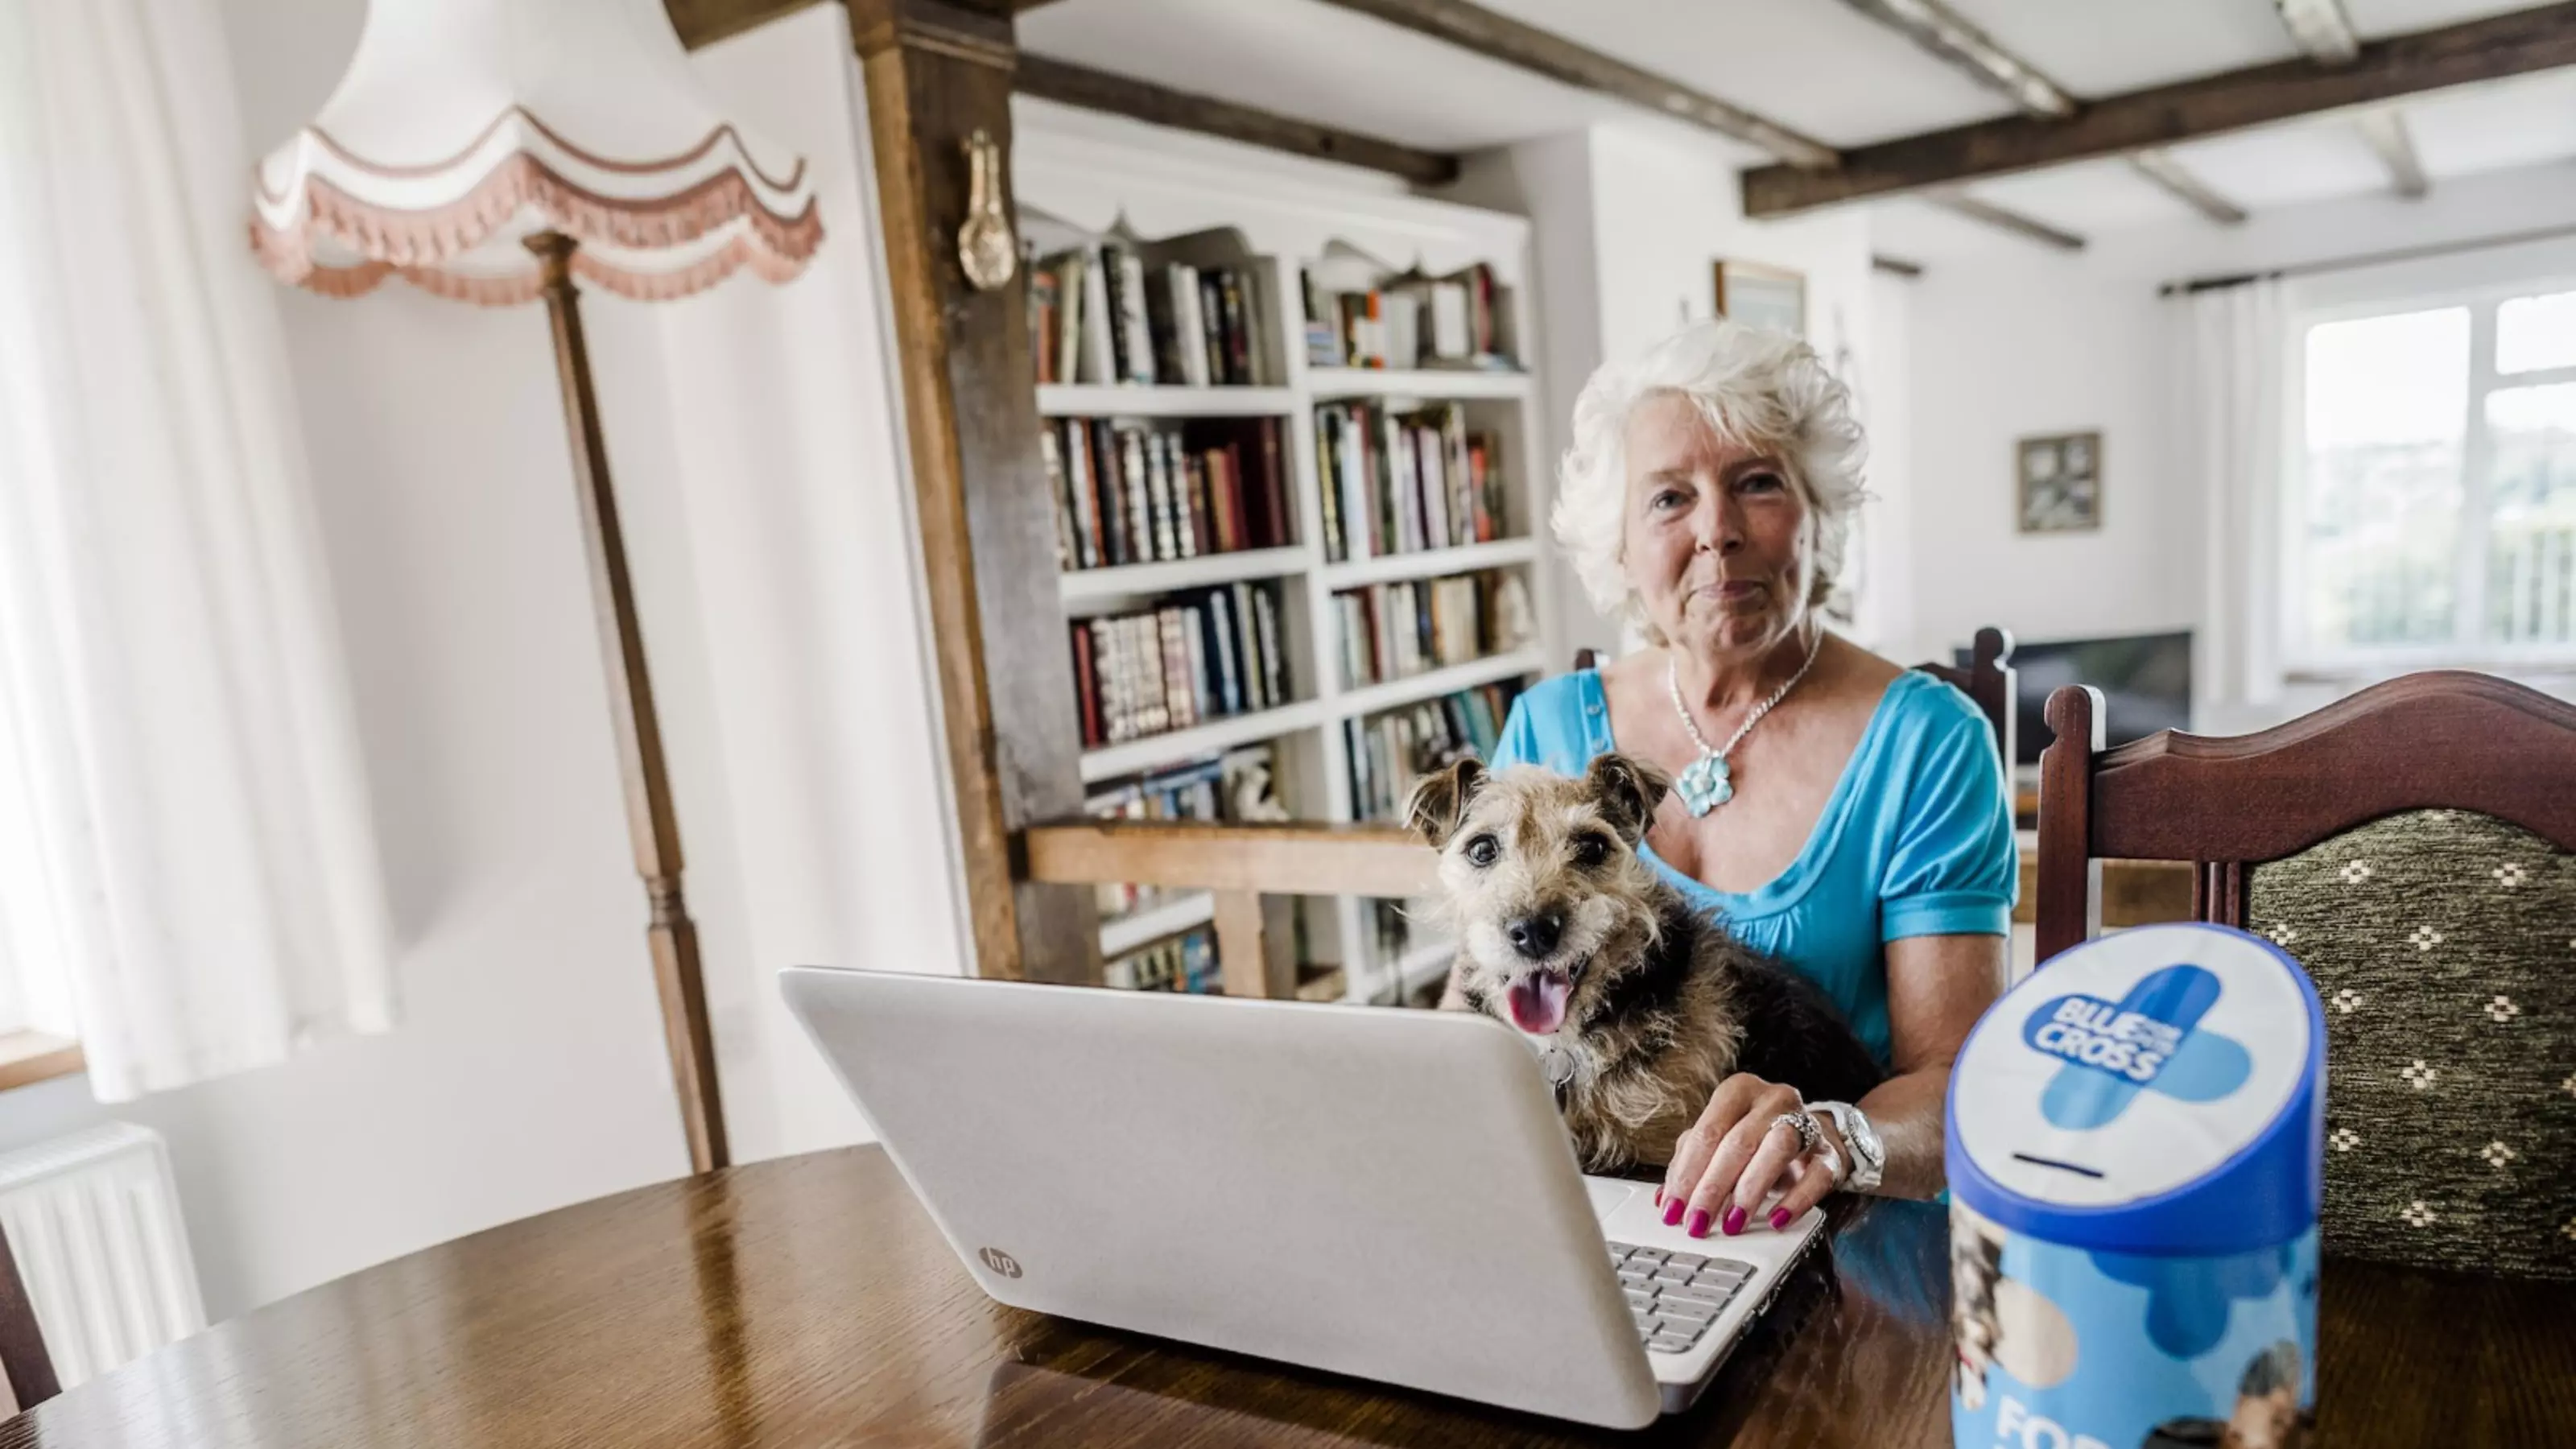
1663, 1003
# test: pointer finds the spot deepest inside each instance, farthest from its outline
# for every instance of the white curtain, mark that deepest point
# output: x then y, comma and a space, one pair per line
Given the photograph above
188, 874
2232, 361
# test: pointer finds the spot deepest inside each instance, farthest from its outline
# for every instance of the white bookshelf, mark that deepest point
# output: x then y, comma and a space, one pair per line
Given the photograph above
1072, 188
1112, 400
1096, 590
1415, 688
1430, 563
1461, 385
1148, 924
1173, 746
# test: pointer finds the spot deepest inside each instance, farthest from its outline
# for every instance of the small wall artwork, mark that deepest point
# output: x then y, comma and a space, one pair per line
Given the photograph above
2061, 482
1761, 296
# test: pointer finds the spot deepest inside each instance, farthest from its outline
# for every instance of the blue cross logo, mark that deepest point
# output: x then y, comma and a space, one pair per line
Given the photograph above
2148, 1040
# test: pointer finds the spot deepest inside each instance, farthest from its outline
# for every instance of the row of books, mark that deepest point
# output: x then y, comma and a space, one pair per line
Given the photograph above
1128, 492
1394, 631
1100, 314
1186, 962
1197, 656
1391, 752
1238, 785
1402, 482
1409, 322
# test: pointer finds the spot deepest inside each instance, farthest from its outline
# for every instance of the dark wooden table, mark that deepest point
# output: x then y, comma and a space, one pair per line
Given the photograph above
809, 1301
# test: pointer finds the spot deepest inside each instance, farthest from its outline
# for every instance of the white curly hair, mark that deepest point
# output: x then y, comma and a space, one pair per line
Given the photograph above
1757, 389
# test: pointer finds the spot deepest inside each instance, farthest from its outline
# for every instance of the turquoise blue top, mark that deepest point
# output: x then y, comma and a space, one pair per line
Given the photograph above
1916, 841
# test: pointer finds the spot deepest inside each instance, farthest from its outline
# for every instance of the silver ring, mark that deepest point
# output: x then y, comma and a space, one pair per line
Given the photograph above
1809, 1137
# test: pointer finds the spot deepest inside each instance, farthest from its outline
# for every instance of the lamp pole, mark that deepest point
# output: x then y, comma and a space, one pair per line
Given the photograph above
651, 819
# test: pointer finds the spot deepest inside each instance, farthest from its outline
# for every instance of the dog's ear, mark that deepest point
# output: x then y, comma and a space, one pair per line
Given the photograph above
1627, 789
1441, 800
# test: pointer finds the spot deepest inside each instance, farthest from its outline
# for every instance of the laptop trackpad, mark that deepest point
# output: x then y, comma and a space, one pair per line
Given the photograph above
1608, 1195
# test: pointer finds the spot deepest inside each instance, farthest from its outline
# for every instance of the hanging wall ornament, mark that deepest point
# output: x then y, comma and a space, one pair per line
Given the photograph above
985, 247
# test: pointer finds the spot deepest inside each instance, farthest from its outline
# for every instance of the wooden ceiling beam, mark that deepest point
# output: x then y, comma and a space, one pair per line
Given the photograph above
1958, 43
2386, 133
2159, 166
704, 22
2004, 218
2325, 32
2516, 43
1501, 38
1097, 90
2322, 29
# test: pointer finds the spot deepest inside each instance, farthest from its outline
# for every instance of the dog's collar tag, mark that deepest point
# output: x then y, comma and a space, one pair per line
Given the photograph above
1558, 1064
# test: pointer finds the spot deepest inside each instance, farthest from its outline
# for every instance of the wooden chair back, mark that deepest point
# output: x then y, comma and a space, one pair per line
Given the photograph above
2413, 847
24, 1364
2440, 740
1988, 679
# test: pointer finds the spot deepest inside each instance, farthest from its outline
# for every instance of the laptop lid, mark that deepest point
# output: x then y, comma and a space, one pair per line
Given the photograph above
1386, 1194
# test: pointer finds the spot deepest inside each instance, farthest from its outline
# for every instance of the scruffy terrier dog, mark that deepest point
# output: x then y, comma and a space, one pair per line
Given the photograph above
1642, 1004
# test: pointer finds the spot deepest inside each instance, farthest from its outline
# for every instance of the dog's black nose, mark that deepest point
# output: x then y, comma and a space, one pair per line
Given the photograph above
1536, 934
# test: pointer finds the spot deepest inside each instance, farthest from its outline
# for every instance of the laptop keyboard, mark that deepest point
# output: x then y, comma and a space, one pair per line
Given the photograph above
1674, 1297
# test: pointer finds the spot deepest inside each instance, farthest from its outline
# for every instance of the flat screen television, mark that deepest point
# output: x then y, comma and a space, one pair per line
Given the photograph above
2145, 681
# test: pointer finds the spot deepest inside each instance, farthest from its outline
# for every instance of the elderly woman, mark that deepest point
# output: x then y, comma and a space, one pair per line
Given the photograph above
1838, 812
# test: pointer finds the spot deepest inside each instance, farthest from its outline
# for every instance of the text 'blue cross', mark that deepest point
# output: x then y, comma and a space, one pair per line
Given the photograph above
2150, 1040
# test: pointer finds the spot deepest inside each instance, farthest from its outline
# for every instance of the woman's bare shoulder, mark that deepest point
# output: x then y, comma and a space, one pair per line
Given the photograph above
1858, 674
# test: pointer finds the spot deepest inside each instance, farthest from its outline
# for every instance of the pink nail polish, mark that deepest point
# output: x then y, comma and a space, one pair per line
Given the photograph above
1659, 1197
1779, 1219
1699, 1223
1673, 1213
1734, 1221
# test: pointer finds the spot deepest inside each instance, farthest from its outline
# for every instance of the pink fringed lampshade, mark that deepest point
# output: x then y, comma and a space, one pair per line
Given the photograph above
464, 126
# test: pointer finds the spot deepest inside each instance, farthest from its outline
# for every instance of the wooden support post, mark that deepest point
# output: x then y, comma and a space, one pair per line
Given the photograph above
1242, 951
937, 72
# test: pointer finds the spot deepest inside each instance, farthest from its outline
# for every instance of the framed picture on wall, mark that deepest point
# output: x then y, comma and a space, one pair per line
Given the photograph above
2061, 482
1763, 296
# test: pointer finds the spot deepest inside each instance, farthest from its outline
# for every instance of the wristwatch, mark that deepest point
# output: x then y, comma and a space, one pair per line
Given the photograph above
1868, 1154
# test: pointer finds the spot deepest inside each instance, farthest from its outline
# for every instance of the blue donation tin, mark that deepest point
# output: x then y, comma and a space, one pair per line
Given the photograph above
2136, 1154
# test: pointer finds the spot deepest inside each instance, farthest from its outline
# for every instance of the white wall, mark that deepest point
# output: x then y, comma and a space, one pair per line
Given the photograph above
760, 478
2030, 341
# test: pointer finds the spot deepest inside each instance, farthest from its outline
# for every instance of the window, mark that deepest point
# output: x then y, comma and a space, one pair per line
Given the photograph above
2433, 519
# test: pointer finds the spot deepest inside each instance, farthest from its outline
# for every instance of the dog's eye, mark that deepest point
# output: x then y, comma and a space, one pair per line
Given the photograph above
1590, 850
1483, 851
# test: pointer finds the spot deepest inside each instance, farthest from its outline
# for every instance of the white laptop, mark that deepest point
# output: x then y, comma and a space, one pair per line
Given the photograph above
1381, 1193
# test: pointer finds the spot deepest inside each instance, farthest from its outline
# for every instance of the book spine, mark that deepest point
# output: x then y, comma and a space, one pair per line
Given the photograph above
1229, 679
1248, 649
1194, 485
1274, 484
1164, 499
1359, 510
1128, 443
1329, 478
1180, 701
1109, 493
1189, 323
1067, 554
1086, 685
1099, 341
1238, 337
1274, 663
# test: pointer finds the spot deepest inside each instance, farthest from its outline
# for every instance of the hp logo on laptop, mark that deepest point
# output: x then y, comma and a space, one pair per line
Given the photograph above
999, 1261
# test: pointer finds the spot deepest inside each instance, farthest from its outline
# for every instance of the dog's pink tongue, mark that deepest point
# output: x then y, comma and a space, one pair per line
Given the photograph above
1538, 1002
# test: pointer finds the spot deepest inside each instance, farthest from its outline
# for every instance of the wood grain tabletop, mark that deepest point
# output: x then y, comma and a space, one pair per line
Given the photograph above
809, 1301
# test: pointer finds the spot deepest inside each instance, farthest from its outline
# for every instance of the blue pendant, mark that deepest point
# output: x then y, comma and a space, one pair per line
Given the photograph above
1705, 785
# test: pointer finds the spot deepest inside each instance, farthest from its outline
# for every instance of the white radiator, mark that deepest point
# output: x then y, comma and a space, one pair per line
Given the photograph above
93, 1220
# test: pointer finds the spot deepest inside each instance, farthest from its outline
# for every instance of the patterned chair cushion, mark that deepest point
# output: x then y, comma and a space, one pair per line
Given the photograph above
2444, 945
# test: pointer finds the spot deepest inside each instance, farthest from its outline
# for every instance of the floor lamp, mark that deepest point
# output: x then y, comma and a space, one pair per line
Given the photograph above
491, 151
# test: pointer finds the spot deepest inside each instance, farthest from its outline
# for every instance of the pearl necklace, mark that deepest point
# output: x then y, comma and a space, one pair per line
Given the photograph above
1708, 783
